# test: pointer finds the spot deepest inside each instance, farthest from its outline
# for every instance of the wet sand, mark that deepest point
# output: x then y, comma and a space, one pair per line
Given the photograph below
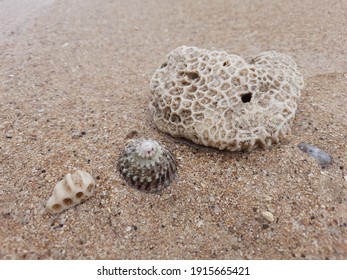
75, 81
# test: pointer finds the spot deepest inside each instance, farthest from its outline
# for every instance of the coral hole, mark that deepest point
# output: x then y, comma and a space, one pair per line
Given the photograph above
56, 206
67, 201
189, 75
246, 97
79, 194
175, 118
192, 75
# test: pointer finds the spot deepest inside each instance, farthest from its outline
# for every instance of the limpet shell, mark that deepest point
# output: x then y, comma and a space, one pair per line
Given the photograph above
146, 165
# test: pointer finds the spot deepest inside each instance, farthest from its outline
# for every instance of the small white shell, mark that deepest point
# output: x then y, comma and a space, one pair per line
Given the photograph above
70, 191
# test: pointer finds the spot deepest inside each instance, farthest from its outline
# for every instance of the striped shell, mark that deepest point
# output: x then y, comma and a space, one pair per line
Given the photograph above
146, 165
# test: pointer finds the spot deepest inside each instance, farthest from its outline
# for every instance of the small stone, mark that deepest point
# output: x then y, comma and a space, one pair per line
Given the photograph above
217, 209
103, 194
234, 240
200, 224
128, 228
265, 226
268, 216
76, 134
345, 178
62, 221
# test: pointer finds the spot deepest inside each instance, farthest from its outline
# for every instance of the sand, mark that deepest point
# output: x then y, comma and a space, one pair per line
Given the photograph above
74, 79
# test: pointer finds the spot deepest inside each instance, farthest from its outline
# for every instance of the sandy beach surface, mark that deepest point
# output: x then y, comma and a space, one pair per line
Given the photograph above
74, 81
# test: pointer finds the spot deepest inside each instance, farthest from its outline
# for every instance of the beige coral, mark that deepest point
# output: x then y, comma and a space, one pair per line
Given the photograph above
70, 191
224, 101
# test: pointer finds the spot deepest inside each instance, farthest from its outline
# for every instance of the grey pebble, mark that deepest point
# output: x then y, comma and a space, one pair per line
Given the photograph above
320, 156
77, 134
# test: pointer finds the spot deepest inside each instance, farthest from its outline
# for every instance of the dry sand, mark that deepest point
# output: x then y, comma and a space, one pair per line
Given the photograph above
74, 81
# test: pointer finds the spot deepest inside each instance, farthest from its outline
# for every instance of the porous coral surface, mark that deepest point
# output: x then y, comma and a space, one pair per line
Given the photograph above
224, 101
70, 191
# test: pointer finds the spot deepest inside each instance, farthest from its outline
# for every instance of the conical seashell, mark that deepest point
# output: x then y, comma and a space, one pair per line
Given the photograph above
146, 165
70, 191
